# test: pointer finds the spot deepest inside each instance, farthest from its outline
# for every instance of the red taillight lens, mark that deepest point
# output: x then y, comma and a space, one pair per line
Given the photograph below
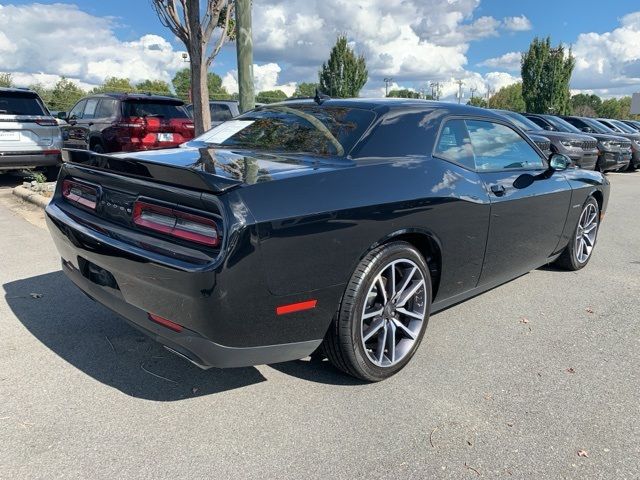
80, 193
176, 223
47, 122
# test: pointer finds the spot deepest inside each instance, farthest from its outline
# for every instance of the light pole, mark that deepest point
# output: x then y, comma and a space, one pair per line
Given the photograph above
244, 51
460, 83
387, 81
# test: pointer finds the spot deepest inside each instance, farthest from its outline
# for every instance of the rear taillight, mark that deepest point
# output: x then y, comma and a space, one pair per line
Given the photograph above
176, 223
47, 122
80, 193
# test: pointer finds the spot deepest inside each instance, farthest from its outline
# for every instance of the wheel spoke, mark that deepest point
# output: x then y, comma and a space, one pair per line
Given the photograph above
406, 281
410, 293
381, 344
590, 228
391, 341
375, 326
588, 241
407, 331
392, 281
382, 288
409, 313
376, 313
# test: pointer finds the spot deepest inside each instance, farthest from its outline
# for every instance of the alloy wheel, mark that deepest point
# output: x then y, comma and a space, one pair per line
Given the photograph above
586, 233
394, 312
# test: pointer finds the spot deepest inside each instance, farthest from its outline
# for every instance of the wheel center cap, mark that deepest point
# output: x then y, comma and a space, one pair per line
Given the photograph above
389, 310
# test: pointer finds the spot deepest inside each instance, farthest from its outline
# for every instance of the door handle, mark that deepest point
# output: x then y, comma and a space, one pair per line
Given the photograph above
90, 124
498, 190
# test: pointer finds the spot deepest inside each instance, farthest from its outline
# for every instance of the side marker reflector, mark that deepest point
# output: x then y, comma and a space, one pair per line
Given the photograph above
296, 307
165, 323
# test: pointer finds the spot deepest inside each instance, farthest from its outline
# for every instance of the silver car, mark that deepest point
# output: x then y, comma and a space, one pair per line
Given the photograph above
29, 136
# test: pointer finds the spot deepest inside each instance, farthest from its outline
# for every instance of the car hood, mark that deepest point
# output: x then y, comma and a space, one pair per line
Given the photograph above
557, 136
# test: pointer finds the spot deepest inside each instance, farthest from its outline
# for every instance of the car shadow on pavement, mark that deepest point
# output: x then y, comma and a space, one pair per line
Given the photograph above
105, 347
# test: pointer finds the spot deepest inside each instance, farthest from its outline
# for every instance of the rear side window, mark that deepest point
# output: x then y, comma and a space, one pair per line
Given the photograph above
17, 103
399, 134
76, 112
106, 108
538, 121
90, 108
454, 144
498, 147
220, 112
150, 108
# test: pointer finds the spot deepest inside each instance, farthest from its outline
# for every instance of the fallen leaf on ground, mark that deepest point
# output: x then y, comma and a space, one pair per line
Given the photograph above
571, 370
583, 453
35, 295
589, 310
524, 320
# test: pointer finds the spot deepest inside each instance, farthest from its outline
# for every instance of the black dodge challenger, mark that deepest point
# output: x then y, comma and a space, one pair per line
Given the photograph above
339, 224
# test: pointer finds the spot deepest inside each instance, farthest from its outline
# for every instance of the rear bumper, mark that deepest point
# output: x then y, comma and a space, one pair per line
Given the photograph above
17, 160
220, 327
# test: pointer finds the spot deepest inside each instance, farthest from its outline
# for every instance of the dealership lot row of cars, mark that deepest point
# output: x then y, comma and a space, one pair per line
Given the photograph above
105, 123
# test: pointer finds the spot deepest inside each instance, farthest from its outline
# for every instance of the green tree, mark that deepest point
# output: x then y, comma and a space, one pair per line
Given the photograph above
43, 92
585, 105
508, 98
546, 73
65, 95
477, 102
306, 89
5, 80
403, 93
158, 87
610, 108
271, 96
115, 85
344, 74
182, 81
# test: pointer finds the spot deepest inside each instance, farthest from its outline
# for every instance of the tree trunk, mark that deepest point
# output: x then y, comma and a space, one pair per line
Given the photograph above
200, 93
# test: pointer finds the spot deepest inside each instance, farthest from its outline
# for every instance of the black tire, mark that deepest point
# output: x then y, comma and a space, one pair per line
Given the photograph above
343, 344
52, 173
568, 260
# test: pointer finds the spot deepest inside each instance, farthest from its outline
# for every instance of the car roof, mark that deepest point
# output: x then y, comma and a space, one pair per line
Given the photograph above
136, 96
17, 90
382, 105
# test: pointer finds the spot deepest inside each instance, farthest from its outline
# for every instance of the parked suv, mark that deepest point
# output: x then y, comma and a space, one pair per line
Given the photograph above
29, 135
581, 149
610, 149
125, 122
633, 124
221, 111
626, 131
595, 128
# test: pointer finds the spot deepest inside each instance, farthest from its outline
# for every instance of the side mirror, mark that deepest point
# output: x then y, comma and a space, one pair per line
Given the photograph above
587, 129
62, 115
559, 162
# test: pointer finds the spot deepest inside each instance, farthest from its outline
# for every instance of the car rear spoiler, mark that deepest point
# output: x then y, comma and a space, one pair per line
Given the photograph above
184, 176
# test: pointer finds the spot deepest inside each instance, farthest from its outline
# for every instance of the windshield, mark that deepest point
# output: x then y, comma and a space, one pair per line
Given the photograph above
597, 126
623, 126
20, 104
561, 124
521, 121
145, 108
298, 128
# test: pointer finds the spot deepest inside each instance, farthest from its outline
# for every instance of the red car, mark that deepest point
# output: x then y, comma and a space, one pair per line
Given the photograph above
126, 122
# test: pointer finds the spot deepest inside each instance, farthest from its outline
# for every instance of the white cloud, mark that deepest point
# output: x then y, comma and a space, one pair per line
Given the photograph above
61, 39
265, 77
517, 24
509, 61
609, 62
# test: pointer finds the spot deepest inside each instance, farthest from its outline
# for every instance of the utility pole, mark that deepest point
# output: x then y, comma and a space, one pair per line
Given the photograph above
435, 90
490, 92
473, 90
387, 81
244, 50
460, 83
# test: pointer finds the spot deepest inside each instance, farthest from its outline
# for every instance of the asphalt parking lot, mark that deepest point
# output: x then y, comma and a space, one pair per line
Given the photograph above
538, 378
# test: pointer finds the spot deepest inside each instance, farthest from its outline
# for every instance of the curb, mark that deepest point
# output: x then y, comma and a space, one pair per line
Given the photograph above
31, 196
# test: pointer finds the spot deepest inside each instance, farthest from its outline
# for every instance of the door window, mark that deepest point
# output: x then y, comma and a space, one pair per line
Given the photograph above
220, 112
76, 112
454, 144
106, 108
90, 108
498, 147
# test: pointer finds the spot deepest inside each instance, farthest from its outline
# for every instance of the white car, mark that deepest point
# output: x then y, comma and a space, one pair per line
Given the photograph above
29, 136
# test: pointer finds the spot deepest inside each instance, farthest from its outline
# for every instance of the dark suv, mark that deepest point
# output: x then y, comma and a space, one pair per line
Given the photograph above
221, 111
125, 122
580, 148
626, 131
613, 151
595, 128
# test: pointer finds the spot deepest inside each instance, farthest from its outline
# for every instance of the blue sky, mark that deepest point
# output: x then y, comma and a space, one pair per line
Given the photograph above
414, 42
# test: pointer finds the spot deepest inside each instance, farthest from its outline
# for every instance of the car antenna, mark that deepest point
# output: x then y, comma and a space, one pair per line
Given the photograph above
320, 97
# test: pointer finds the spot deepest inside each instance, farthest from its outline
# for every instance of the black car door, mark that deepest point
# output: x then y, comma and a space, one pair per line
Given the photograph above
72, 132
529, 203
